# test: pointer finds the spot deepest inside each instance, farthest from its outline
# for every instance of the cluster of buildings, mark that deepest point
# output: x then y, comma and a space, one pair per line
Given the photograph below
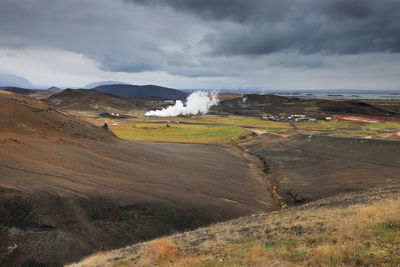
295, 117
114, 115
158, 102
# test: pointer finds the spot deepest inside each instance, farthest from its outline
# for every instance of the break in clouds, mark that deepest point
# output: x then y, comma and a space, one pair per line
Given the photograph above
218, 39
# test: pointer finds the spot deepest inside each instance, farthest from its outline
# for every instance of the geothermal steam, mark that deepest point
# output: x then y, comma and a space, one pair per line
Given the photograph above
198, 102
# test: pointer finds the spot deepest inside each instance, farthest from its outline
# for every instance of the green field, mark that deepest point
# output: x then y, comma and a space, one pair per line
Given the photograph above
267, 125
326, 125
382, 126
211, 129
177, 132
226, 120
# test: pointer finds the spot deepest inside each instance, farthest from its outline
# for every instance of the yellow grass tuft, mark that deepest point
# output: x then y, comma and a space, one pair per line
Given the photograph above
163, 249
159, 251
332, 254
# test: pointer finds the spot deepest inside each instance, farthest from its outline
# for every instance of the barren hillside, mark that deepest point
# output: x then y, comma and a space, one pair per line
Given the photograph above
69, 188
310, 167
258, 105
91, 100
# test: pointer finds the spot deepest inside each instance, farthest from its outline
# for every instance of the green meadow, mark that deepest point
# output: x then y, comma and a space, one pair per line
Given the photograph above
160, 132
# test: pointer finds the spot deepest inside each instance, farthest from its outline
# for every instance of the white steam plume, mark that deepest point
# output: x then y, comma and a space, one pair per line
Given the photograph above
198, 102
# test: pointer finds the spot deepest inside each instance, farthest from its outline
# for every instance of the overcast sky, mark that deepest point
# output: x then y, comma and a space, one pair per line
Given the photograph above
285, 44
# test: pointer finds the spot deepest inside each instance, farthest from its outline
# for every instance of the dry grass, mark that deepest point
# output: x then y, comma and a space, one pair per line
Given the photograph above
98, 259
361, 234
332, 254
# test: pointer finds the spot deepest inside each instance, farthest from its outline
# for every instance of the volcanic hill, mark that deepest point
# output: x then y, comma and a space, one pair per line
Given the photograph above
17, 90
34, 93
141, 91
258, 105
85, 99
69, 188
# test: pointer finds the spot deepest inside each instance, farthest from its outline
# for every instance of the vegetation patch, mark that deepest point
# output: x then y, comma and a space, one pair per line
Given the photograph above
326, 125
382, 126
185, 133
388, 232
160, 251
226, 120
364, 134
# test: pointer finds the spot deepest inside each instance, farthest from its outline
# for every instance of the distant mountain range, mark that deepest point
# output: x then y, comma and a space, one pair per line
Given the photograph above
9, 80
96, 84
19, 85
141, 91
54, 88
296, 92
119, 90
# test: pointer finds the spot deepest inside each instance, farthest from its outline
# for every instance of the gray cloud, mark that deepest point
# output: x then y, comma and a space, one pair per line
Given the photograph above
120, 37
227, 39
234, 10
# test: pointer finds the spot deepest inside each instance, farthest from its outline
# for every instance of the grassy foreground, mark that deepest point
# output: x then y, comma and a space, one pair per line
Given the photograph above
176, 132
359, 229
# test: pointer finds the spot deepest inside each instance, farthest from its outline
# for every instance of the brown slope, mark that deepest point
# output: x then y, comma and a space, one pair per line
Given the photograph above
68, 189
38, 94
26, 116
306, 168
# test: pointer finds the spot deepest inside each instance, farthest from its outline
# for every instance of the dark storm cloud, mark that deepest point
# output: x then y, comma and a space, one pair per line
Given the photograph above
235, 10
346, 8
305, 26
202, 37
